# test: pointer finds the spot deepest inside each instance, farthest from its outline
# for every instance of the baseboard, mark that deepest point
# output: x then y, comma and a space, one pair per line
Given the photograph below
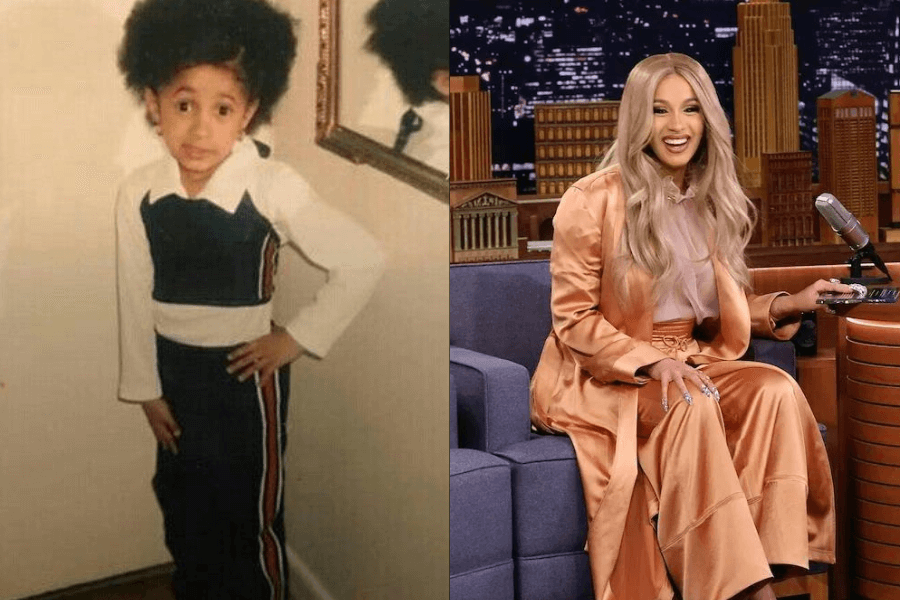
104, 584
302, 575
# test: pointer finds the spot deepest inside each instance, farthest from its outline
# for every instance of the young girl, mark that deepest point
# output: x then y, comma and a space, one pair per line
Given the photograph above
198, 234
699, 470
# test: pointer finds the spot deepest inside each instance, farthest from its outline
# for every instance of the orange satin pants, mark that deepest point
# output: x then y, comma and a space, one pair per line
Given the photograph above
730, 487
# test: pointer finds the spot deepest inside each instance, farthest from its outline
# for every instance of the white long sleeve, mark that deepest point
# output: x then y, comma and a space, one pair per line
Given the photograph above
323, 235
335, 243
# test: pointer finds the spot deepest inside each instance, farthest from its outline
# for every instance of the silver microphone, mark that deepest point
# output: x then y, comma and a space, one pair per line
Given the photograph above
848, 227
842, 221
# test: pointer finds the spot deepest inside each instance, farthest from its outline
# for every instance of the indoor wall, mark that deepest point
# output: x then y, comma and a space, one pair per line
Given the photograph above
367, 464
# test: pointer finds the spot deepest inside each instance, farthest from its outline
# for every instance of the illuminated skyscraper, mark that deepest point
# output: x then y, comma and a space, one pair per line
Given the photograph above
894, 103
570, 140
857, 47
788, 216
470, 126
847, 159
766, 117
484, 222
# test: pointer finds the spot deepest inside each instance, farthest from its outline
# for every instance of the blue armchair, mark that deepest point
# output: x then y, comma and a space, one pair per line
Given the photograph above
499, 319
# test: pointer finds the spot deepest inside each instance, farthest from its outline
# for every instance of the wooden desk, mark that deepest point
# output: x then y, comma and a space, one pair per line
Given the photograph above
868, 352
831, 406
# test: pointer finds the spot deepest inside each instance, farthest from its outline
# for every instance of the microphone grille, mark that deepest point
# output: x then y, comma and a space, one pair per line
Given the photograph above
833, 211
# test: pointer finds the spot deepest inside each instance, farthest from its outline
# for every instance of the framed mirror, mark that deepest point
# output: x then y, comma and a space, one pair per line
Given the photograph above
359, 107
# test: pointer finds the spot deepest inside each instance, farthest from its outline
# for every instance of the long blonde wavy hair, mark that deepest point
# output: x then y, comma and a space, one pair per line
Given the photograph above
720, 201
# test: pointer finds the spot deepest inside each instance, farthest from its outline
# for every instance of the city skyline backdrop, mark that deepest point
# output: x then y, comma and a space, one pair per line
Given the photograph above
536, 51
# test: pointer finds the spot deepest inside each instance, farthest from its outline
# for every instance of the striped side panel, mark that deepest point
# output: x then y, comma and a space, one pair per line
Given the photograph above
268, 266
271, 551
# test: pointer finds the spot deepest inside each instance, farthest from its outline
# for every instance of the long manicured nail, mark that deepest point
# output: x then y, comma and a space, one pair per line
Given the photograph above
687, 398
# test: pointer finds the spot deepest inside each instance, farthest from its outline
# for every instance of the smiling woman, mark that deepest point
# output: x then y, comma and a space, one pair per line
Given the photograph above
652, 310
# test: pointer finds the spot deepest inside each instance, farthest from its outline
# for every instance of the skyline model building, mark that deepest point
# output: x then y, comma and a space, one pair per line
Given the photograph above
766, 119
470, 126
857, 46
570, 139
847, 160
894, 110
483, 224
787, 217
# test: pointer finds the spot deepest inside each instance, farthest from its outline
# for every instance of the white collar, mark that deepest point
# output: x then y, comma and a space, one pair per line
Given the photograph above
225, 188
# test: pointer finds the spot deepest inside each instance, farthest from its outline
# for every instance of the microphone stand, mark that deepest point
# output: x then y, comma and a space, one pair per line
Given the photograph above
866, 252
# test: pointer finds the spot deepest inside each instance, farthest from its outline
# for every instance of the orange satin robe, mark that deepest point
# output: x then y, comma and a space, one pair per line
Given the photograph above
717, 528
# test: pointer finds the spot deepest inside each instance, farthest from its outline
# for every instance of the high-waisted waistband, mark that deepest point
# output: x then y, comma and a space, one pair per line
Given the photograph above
675, 338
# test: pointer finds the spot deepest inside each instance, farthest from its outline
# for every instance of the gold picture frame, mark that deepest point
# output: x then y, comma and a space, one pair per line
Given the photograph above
340, 137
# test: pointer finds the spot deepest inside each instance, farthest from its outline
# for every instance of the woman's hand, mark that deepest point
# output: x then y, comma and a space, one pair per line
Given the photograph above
805, 300
669, 370
264, 355
163, 423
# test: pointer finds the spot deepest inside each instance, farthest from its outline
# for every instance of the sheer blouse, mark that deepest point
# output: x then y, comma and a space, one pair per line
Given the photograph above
693, 290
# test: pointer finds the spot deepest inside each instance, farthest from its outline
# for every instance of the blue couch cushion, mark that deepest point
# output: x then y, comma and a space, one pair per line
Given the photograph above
560, 577
501, 309
480, 511
774, 352
492, 583
492, 400
548, 512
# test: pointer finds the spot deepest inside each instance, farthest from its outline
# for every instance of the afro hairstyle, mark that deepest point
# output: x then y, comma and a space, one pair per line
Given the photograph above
413, 38
163, 37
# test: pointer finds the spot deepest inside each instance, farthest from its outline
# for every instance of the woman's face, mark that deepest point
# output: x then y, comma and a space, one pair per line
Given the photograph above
677, 125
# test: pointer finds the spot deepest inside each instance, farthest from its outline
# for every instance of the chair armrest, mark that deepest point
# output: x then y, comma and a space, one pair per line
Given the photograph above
781, 354
493, 400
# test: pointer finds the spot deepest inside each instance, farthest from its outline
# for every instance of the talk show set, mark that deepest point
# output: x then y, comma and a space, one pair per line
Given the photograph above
674, 329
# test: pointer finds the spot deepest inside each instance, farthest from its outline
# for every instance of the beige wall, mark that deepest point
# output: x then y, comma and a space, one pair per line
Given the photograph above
75, 465
368, 459
367, 454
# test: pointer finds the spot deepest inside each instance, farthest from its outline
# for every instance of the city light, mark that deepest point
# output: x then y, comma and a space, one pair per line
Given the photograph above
581, 55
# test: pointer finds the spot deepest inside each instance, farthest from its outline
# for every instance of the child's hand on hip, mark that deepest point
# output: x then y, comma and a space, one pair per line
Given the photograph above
163, 423
264, 355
